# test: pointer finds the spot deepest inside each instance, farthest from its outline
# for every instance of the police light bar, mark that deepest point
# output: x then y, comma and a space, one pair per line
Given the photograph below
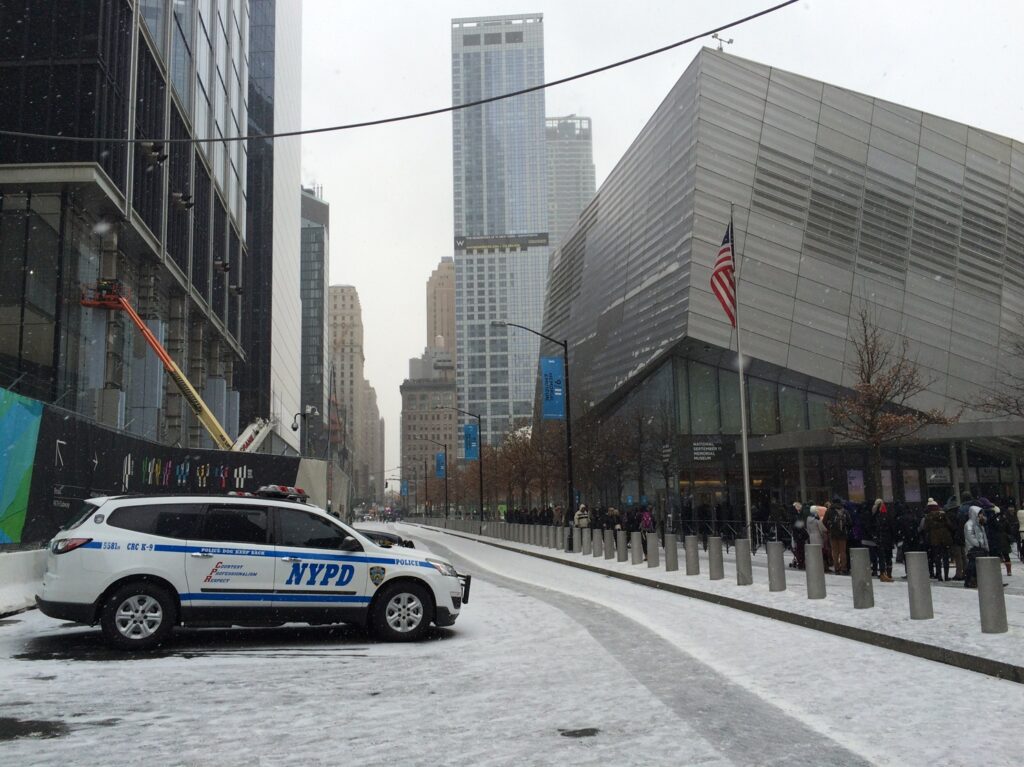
282, 491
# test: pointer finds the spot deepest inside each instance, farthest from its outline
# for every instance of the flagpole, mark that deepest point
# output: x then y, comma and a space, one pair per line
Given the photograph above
743, 387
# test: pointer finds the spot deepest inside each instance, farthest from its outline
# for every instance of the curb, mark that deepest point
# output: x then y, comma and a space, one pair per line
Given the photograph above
955, 658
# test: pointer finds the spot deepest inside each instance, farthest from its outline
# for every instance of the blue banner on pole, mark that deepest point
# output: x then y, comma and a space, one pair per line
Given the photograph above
471, 441
440, 469
405, 488
552, 376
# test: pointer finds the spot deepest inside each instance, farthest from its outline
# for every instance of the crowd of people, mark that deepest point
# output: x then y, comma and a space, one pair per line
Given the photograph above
639, 519
953, 535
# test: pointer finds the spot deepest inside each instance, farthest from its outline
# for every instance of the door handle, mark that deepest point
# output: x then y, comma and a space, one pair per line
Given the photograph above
200, 555
291, 559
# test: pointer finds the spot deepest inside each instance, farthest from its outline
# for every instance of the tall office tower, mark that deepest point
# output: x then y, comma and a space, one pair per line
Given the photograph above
441, 305
357, 398
316, 215
499, 158
429, 391
269, 381
165, 220
571, 182
369, 466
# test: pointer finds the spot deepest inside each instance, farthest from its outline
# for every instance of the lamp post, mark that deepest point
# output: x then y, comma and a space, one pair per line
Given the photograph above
480, 451
568, 413
445, 446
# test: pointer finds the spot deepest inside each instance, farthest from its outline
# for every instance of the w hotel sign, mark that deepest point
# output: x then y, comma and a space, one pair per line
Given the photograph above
502, 242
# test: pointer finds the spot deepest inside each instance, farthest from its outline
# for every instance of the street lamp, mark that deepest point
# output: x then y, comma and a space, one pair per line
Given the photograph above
568, 414
310, 410
445, 446
480, 451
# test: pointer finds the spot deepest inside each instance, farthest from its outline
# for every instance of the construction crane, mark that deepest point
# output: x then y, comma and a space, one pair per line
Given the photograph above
109, 294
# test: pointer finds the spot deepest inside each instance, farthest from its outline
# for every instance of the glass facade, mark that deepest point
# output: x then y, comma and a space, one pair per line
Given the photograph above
571, 183
162, 218
840, 202
499, 160
315, 356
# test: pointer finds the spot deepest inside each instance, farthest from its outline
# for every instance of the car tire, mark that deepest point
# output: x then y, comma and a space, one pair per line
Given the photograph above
401, 612
138, 616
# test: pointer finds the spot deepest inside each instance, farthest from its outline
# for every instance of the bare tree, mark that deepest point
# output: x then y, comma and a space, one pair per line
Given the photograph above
878, 413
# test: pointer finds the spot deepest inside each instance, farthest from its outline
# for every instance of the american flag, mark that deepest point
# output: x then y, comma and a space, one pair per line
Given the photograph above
723, 285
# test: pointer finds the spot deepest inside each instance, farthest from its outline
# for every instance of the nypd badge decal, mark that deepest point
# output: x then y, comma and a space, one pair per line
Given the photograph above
377, 575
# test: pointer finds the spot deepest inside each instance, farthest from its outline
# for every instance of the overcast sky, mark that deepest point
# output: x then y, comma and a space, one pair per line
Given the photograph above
390, 187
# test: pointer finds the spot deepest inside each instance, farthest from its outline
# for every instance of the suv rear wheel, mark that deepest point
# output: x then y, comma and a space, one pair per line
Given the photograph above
402, 612
137, 616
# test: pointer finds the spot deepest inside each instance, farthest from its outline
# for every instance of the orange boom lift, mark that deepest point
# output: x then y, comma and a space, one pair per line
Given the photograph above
108, 294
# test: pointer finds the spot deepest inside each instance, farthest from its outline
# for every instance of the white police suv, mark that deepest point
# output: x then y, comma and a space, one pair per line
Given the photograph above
141, 565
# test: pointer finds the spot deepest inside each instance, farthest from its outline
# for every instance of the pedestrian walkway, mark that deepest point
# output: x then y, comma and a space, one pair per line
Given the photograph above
956, 625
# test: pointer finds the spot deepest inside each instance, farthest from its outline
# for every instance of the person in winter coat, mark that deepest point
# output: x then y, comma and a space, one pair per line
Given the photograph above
939, 540
837, 522
647, 526
815, 529
976, 543
866, 525
885, 536
1020, 533
998, 545
613, 520
582, 517
956, 550
799, 535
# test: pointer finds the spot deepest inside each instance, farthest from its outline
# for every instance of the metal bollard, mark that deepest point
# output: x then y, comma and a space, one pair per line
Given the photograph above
671, 553
597, 542
587, 540
776, 566
535, 535
860, 577
652, 550
815, 567
637, 545
716, 569
919, 585
620, 545
744, 567
991, 599
545, 536
692, 557
609, 544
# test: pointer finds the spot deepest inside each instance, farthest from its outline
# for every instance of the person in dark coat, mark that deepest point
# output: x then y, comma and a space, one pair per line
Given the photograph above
956, 550
866, 525
885, 536
939, 539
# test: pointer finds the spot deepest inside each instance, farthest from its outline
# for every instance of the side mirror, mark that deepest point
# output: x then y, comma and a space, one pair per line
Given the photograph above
348, 543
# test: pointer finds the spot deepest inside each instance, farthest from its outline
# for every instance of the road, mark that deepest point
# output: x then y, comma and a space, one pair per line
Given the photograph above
544, 667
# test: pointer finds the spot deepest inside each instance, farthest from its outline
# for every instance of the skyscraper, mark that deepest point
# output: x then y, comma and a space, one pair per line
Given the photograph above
165, 220
269, 380
357, 398
441, 305
499, 158
571, 182
316, 216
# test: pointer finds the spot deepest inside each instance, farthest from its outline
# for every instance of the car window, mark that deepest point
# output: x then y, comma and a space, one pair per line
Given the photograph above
235, 524
304, 530
84, 512
172, 520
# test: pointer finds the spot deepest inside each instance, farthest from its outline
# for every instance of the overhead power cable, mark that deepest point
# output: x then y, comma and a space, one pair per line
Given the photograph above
413, 115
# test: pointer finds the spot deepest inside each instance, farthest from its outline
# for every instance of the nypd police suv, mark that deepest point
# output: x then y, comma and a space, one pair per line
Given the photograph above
139, 566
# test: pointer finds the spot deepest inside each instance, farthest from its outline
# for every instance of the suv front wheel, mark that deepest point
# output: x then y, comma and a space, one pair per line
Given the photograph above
137, 616
402, 612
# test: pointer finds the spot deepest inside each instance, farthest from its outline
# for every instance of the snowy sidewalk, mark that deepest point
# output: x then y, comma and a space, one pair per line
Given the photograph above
956, 626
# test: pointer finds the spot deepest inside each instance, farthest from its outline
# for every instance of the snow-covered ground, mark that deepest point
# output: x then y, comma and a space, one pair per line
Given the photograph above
540, 649
956, 625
